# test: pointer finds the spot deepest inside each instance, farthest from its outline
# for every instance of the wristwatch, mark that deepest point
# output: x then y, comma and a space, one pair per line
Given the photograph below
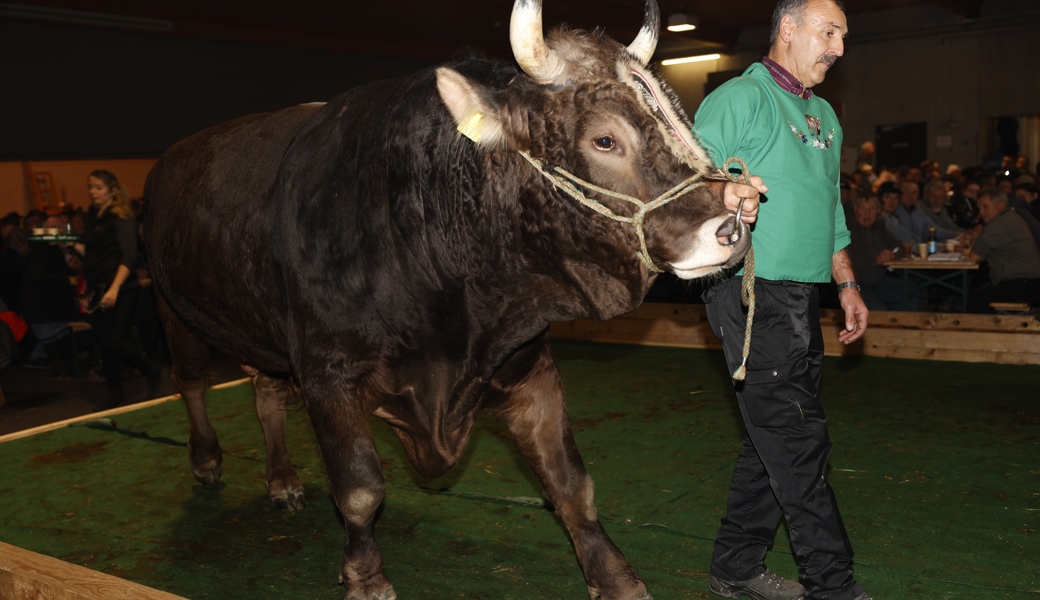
849, 284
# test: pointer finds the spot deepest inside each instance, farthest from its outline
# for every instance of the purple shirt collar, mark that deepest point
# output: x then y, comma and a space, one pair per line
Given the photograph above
785, 80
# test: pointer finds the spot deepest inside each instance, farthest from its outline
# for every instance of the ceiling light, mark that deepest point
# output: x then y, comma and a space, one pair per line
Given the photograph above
681, 22
690, 59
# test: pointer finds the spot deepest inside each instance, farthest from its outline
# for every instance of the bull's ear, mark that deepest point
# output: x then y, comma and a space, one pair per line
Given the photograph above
474, 118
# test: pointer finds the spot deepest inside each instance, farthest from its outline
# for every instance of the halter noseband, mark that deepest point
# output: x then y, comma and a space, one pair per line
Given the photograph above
563, 180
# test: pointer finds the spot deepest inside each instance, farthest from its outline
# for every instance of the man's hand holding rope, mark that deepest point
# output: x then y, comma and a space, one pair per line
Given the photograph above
734, 192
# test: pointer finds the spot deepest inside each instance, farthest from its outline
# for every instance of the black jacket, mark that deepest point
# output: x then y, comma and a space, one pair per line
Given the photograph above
109, 242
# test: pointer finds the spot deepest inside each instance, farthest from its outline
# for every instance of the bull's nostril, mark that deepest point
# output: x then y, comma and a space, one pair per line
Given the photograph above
729, 232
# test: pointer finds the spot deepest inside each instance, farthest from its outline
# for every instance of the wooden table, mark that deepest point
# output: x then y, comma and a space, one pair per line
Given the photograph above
951, 275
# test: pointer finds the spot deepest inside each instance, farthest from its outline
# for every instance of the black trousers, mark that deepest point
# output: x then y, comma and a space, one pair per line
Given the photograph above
783, 458
112, 330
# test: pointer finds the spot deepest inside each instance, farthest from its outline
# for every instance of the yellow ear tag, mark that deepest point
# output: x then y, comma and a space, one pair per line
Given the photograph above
471, 127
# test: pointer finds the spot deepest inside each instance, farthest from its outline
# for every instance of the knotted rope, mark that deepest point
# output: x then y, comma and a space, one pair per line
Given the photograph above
559, 177
566, 181
747, 284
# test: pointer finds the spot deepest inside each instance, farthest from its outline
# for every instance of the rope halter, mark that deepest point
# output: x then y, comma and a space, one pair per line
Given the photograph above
566, 182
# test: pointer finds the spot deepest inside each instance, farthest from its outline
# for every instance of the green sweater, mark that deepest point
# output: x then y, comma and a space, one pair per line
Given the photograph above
800, 222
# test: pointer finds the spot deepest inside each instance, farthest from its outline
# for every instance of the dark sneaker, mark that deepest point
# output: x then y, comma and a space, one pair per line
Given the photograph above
767, 586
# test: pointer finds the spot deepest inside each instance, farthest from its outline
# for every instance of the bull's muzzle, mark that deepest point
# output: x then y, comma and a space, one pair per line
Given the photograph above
733, 228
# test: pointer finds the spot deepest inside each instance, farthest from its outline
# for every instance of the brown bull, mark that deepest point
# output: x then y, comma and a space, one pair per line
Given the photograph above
369, 254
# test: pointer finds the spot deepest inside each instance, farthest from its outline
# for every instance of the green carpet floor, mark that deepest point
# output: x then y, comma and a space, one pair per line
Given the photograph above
936, 467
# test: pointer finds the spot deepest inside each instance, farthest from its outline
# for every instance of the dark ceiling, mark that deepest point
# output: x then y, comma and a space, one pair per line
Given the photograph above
423, 29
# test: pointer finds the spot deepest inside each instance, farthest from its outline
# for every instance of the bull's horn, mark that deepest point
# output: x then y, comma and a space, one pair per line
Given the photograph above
525, 36
646, 41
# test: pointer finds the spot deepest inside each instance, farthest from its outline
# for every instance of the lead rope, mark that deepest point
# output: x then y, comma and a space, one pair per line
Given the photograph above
747, 284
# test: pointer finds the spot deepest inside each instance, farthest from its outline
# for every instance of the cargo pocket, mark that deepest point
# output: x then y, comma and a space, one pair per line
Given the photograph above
773, 400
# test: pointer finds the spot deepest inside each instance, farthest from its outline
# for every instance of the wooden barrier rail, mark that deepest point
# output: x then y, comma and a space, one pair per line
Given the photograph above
26, 575
1008, 339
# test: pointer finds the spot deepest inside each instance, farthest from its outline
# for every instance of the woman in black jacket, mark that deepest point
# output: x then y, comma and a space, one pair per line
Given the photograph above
110, 251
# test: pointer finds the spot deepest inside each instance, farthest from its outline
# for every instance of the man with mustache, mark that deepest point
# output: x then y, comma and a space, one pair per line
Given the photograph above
770, 118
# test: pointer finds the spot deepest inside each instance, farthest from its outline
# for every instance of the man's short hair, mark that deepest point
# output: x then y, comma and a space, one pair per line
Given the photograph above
889, 187
935, 183
795, 8
865, 200
995, 194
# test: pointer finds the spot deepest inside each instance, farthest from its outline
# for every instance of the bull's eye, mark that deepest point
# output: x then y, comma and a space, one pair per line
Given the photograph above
604, 143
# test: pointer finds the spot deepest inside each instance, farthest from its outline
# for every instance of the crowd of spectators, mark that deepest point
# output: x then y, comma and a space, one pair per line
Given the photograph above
991, 214
45, 287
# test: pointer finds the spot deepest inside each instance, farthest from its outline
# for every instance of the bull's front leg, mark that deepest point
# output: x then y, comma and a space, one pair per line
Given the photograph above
531, 404
347, 445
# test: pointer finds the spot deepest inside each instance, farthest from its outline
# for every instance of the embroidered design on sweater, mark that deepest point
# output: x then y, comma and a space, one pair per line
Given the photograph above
815, 131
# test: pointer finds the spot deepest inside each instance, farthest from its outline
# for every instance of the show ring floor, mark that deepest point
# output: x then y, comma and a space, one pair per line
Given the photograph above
936, 466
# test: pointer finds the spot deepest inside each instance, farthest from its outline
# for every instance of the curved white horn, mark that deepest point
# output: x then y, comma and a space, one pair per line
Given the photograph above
646, 40
529, 49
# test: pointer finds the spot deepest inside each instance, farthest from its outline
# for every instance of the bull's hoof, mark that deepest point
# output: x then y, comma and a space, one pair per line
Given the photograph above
285, 491
376, 587
207, 475
290, 500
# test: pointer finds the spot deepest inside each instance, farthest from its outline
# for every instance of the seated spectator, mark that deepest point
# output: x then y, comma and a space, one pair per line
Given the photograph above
954, 175
962, 207
1028, 192
912, 174
1007, 246
867, 156
871, 247
886, 176
8, 224
1025, 193
889, 194
49, 302
1022, 164
917, 220
930, 171
909, 194
935, 205
12, 263
1007, 184
33, 219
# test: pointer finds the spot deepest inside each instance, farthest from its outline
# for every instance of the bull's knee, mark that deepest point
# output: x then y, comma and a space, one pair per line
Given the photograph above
361, 503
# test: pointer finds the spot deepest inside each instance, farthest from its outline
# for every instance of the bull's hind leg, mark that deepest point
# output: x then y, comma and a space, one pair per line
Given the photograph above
531, 404
272, 396
190, 358
349, 450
